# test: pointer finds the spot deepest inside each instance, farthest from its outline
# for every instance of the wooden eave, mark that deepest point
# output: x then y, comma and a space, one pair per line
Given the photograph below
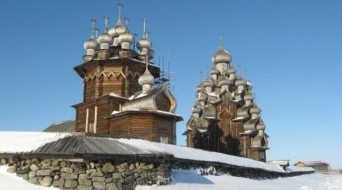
119, 61
130, 112
102, 97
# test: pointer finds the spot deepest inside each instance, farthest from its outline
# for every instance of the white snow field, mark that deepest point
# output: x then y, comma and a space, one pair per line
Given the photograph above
12, 182
190, 180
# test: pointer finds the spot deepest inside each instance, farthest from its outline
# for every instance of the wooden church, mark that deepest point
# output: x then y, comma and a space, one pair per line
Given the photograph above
121, 96
225, 117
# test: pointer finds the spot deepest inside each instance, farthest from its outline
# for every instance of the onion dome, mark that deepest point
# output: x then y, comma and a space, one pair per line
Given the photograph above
221, 56
248, 96
120, 29
90, 44
261, 126
240, 82
117, 30
146, 78
250, 125
231, 70
199, 89
113, 32
105, 38
243, 112
126, 37
202, 98
224, 81
214, 71
208, 83
196, 109
255, 110
144, 43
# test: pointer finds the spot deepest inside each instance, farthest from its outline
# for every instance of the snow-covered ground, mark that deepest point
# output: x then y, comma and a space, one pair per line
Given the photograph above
189, 180
12, 182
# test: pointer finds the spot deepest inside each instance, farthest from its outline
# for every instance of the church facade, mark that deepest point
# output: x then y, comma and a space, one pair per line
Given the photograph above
225, 117
120, 96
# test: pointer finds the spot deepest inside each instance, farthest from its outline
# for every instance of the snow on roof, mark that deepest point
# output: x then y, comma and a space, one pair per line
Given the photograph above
167, 113
202, 130
248, 132
21, 142
280, 162
202, 155
238, 118
145, 110
115, 112
112, 94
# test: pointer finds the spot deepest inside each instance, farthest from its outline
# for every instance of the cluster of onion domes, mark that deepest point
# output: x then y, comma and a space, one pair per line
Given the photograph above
119, 37
224, 85
115, 36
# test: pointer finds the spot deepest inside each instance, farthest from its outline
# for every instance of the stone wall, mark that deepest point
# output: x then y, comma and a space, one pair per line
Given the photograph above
86, 175
109, 175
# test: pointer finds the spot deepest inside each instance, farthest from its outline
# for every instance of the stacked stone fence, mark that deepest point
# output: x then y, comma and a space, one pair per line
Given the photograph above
89, 175
120, 175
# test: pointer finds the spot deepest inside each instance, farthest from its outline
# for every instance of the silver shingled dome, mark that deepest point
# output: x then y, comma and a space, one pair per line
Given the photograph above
231, 70
224, 81
144, 43
105, 38
248, 96
255, 109
214, 71
208, 83
146, 78
196, 109
240, 82
117, 30
221, 56
126, 37
90, 44
260, 126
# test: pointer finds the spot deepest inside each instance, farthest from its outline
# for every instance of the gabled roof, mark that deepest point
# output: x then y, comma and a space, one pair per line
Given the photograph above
156, 112
64, 126
92, 145
148, 101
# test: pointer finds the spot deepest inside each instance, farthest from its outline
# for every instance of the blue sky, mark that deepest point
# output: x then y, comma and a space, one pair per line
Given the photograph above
290, 50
